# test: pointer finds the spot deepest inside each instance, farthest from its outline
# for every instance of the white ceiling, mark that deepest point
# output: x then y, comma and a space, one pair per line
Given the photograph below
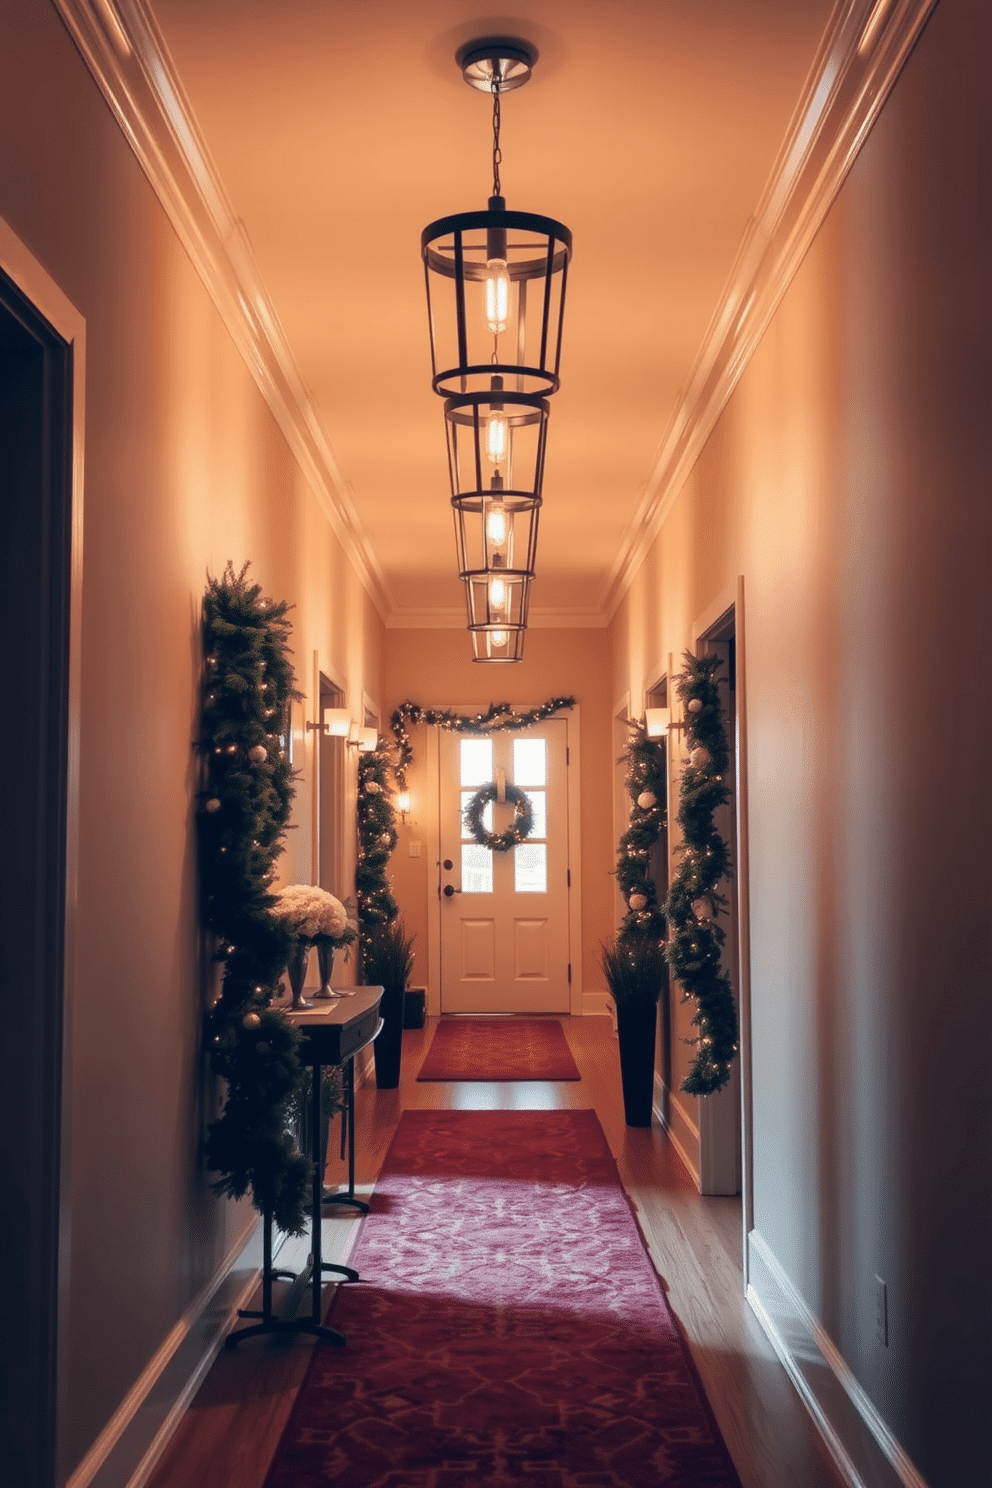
340, 129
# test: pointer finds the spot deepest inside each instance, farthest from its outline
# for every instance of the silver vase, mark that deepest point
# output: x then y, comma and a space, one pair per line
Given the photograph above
325, 961
296, 968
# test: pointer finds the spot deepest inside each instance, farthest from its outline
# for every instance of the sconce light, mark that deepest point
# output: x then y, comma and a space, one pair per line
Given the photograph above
403, 803
334, 722
657, 722
362, 739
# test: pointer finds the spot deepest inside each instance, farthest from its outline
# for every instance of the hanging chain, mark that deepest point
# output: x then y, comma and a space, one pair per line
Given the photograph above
497, 152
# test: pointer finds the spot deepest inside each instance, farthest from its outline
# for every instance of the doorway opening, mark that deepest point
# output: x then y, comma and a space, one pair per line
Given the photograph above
720, 1147
36, 411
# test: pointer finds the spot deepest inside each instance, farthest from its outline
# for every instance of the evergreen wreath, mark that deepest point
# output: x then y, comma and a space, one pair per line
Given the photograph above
243, 814
694, 937
518, 830
498, 718
377, 837
647, 787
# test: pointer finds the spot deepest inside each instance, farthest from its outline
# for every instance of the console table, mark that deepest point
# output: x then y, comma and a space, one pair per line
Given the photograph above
332, 1033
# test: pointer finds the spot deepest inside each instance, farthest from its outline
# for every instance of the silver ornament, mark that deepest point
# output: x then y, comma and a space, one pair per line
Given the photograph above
695, 705
212, 805
638, 901
646, 800
258, 755
699, 758
251, 1020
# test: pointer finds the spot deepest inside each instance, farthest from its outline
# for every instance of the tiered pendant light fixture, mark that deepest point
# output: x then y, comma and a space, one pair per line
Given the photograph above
495, 299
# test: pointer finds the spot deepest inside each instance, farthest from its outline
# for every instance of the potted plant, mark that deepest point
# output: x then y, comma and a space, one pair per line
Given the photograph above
387, 960
635, 970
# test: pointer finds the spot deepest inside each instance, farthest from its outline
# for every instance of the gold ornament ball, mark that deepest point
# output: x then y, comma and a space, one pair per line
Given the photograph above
638, 901
646, 800
258, 755
372, 788
699, 758
251, 1020
695, 705
212, 805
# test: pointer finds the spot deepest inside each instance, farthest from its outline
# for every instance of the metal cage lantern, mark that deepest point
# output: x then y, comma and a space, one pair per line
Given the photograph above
495, 299
497, 600
496, 442
498, 645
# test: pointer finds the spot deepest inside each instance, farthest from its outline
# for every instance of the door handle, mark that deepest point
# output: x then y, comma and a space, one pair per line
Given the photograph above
450, 889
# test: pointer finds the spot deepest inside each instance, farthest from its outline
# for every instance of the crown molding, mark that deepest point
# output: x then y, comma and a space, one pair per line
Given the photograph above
121, 44
863, 50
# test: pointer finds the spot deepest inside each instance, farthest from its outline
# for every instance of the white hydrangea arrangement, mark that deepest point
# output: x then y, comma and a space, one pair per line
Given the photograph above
315, 915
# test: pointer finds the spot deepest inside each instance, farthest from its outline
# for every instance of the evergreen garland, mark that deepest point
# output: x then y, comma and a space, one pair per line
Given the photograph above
694, 937
498, 718
377, 837
242, 818
647, 788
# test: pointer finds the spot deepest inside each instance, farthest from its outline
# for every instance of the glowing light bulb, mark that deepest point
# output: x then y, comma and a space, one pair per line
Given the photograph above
497, 437
498, 639
497, 592
496, 524
497, 295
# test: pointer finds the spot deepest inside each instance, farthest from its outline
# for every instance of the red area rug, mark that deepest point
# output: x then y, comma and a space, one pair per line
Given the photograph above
511, 1332
499, 1049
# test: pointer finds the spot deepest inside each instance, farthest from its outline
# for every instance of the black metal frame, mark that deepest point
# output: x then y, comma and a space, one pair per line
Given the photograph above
543, 258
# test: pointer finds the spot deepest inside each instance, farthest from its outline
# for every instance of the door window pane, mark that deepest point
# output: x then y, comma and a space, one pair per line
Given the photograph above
477, 869
476, 760
530, 868
487, 815
530, 762
539, 805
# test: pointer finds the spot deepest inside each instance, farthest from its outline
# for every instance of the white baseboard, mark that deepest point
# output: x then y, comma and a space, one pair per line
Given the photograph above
598, 1005
126, 1452
683, 1133
134, 1438
864, 1448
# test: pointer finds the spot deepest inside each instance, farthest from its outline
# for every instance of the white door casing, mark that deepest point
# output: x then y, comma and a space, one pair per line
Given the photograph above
505, 920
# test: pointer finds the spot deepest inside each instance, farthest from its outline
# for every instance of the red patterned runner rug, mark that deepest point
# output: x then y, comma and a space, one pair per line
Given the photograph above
511, 1331
499, 1049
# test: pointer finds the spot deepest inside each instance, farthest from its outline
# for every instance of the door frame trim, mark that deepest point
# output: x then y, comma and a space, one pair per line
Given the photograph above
573, 790
33, 280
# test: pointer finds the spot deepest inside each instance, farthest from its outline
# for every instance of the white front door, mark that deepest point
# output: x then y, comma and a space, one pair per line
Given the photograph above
504, 915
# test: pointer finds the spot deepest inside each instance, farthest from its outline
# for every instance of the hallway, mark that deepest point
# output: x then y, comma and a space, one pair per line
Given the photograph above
228, 1437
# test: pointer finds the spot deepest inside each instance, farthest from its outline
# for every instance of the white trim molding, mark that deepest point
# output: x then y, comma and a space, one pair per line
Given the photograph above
863, 50
136, 1435
860, 1442
674, 1118
121, 44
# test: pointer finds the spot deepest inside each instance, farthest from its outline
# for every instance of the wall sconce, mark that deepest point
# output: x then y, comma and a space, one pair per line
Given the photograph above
403, 803
336, 723
362, 739
657, 723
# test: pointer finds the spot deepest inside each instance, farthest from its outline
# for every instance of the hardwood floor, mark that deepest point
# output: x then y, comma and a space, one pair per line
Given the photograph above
229, 1435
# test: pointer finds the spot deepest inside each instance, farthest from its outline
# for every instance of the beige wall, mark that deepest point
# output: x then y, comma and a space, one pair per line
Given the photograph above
434, 668
849, 482
185, 468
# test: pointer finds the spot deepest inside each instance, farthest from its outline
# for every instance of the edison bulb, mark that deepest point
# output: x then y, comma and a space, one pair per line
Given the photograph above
497, 437
496, 524
498, 639
497, 592
497, 294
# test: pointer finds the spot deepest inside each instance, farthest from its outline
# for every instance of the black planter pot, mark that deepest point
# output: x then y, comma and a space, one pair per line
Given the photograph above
388, 1047
636, 1024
